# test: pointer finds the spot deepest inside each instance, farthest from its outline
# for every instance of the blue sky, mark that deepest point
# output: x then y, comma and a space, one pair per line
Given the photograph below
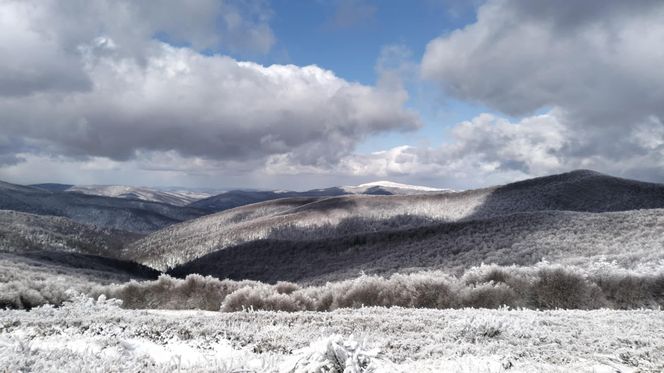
321, 33
348, 37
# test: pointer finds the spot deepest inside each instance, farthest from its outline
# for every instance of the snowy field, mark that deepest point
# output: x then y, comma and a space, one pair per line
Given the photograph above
88, 336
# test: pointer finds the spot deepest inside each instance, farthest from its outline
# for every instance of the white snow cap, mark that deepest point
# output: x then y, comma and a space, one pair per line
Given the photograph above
391, 184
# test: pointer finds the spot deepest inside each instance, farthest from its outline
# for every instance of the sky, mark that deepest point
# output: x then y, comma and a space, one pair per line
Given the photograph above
300, 94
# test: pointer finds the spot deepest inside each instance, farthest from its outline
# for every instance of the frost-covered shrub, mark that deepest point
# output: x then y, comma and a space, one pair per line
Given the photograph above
484, 273
519, 280
194, 292
431, 291
368, 291
488, 295
28, 292
266, 298
285, 287
480, 327
558, 287
335, 355
543, 286
627, 290
81, 303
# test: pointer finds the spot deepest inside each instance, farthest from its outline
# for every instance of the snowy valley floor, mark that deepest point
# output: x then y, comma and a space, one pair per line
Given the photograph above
87, 336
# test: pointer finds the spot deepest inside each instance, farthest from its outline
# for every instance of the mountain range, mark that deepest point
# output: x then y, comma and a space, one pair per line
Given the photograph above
237, 198
211, 201
334, 233
176, 197
304, 218
107, 212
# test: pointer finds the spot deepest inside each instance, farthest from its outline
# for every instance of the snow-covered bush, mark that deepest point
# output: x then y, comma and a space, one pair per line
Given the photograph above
26, 290
543, 286
557, 287
487, 295
479, 327
334, 355
194, 292
266, 298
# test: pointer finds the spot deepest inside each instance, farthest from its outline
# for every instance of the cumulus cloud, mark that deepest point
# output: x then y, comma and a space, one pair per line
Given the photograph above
109, 85
594, 59
597, 62
41, 40
487, 149
209, 106
96, 79
490, 149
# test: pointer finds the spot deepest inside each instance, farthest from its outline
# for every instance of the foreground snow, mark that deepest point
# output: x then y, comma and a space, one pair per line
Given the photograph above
99, 336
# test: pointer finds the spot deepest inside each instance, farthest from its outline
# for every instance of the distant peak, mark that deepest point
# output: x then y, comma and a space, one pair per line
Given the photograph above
391, 184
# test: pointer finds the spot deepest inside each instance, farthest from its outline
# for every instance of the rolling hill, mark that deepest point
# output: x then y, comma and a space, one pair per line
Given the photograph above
176, 198
22, 232
52, 187
577, 191
117, 213
236, 198
171, 196
631, 239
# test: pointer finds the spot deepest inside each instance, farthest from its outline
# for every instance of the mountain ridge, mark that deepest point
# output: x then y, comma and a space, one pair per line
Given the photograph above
21, 232
524, 238
175, 198
236, 198
118, 213
581, 191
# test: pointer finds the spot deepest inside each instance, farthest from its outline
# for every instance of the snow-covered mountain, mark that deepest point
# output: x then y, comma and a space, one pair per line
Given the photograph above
625, 238
237, 198
176, 198
580, 191
117, 213
214, 202
22, 232
385, 187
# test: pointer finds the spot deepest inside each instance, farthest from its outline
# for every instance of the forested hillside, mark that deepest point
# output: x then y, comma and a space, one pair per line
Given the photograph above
578, 191
117, 213
22, 232
633, 239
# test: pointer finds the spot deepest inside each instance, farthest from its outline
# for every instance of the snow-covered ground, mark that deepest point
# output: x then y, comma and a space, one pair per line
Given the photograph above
99, 336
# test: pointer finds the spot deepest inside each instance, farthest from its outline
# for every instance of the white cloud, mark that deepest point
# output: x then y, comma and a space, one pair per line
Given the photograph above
484, 147
94, 85
484, 150
521, 55
597, 63
208, 106
490, 150
92, 81
39, 45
